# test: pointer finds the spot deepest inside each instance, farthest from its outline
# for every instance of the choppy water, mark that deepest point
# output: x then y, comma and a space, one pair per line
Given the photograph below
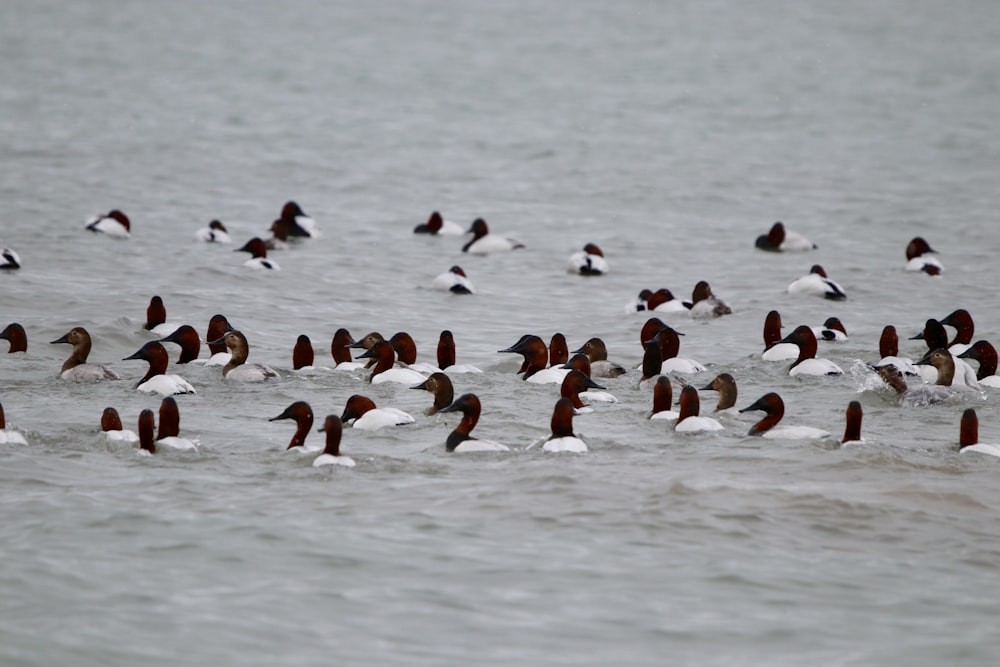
671, 134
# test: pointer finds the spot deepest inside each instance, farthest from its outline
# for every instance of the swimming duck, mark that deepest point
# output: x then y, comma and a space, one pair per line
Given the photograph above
215, 232
384, 370
689, 421
663, 396
562, 438
705, 304
14, 334
114, 224
774, 409
331, 455
484, 243
924, 394
111, 426
774, 349
725, 384
76, 368
366, 416
441, 387
302, 413
968, 440
436, 225
238, 369
258, 260
817, 283
589, 261
597, 352
984, 352
455, 281
9, 260
8, 435
156, 379
187, 339
807, 363
917, 259
779, 239
852, 429
577, 381
446, 355
888, 348
168, 434
460, 440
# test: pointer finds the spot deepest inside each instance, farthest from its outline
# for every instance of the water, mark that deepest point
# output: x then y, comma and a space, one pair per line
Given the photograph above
671, 135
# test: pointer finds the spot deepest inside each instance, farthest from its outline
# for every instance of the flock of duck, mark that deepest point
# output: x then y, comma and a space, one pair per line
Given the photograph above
941, 375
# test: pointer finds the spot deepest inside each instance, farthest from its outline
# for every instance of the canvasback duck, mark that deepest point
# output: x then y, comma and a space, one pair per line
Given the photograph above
8, 435
215, 232
832, 330
984, 353
968, 437
367, 417
725, 384
965, 328
14, 334
888, 349
156, 318
441, 387
384, 369
187, 339
664, 301
258, 260
779, 239
156, 379
774, 409
935, 337
340, 351
446, 355
807, 363
302, 413
114, 224
588, 262
536, 356
669, 345
279, 235
219, 354
483, 243
704, 304
558, 367
563, 439
331, 455
111, 426
640, 303
460, 439
918, 259
581, 362
558, 350
649, 330
76, 368
577, 381
455, 281
9, 260
949, 368
689, 420
924, 394
774, 349
852, 429
146, 424
299, 224
303, 355
663, 398
366, 343
238, 370
597, 352
406, 353
168, 433
817, 283
436, 225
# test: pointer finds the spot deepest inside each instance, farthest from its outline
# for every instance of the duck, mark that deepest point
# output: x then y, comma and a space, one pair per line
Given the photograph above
460, 440
669, 345
238, 370
917, 251
807, 363
663, 398
76, 368
340, 350
888, 349
114, 224
258, 260
303, 355
367, 417
983, 352
935, 337
156, 318
187, 339
779, 239
446, 355
968, 438
9, 260
597, 352
156, 379
331, 455
299, 224
8, 435
575, 382
965, 329
725, 384
649, 330
535, 354
562, 438
14, 334
484, 243
688, 420
438, 384
215, 232
923, 394
111, 426
168, 434
852, 429
664, 301
581, 362
817, 283
406, 353
774, 349
302, 413
219, 354
704, 304
589, 261
951, 372
455, 281
384, 370
832, 330
279, 235
436, 225
774, 408
146, 424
